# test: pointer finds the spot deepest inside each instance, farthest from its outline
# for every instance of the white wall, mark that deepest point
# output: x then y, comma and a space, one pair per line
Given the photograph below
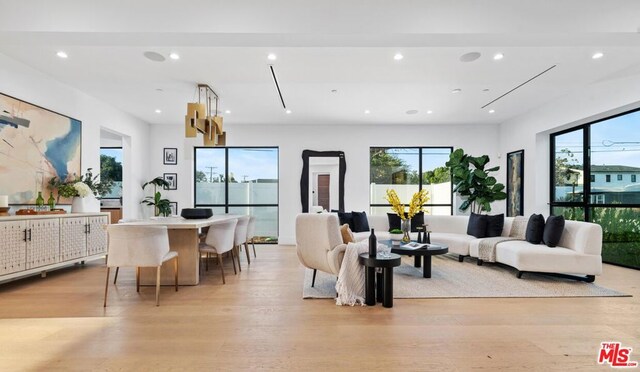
531, 131
354, 140
25, 83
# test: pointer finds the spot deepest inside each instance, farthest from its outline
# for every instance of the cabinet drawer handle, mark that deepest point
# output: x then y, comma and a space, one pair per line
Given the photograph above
25, 235
29, 234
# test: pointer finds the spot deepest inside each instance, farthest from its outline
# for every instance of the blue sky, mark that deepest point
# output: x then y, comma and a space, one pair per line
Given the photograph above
116, 153
431, 158
254, 163
614, 141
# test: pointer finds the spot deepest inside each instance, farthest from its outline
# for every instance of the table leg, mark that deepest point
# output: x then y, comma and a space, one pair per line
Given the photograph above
426, 270
379, 286
369, 285
388, 287
416, 260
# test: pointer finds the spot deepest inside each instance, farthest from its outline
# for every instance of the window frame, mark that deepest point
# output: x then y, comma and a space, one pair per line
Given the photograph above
420, 172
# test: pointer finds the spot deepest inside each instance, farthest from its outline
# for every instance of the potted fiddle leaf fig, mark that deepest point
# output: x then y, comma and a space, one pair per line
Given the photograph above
472, 181
161, 206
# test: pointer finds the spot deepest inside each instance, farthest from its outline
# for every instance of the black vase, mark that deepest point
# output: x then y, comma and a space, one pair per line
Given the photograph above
373, 244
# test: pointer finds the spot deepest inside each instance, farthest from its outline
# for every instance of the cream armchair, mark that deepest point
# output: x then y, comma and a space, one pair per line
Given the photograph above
319, 243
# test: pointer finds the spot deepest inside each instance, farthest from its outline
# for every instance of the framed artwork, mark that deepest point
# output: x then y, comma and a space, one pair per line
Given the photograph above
36, 145
172, 179
174, 208
170, 156
515, 183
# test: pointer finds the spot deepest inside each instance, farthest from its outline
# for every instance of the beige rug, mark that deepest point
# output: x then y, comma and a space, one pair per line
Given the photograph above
452, 279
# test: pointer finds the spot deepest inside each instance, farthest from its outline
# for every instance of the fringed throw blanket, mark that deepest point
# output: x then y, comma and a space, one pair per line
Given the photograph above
350, 284
487, 247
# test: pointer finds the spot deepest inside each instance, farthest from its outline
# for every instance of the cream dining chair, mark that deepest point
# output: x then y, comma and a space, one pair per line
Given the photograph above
219, 240
241, 237
139, 246
251, 232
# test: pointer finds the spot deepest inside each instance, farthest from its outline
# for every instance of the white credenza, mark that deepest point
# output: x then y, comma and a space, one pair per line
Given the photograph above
36, 244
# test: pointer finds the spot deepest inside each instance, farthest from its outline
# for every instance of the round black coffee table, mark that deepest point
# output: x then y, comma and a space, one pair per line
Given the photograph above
421, 254
384, 280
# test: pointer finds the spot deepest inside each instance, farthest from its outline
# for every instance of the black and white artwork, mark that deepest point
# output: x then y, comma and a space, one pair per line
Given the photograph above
174, 208
172, 180
170, 156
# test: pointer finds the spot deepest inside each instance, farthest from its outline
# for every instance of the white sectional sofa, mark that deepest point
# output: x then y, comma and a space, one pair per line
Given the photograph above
578, 253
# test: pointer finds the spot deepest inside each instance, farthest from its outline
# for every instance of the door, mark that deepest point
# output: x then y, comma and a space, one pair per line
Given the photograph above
73, 238
43, 242
13, 235
324, 186
97, 235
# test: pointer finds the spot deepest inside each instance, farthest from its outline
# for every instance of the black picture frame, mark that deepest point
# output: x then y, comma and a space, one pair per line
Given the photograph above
174, 208
170, 156
515, 183
172, 179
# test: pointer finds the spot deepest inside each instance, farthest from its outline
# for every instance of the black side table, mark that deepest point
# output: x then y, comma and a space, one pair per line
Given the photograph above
384, 280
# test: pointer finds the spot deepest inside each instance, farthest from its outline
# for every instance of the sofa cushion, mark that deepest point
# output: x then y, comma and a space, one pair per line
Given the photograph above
347, 218
477, 225
347, 234
494, 225
457, 243
525, 256
360, 222
535, 229
553, 230
394, 221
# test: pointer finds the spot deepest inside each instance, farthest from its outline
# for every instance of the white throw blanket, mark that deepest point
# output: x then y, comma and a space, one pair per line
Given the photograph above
350, 284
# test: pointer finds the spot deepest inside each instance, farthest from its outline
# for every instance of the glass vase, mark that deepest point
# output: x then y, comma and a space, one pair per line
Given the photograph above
406, 227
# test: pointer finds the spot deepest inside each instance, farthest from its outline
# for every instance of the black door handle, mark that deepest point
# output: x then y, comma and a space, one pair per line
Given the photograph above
29, 234
25, 235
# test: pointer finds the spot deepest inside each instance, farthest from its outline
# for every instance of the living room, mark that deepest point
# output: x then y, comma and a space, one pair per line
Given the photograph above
328, 76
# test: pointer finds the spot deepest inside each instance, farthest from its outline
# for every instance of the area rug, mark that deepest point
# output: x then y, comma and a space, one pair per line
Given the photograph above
452, 279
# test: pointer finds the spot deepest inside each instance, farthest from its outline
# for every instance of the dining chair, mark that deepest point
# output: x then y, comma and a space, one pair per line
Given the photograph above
251, 232
122, 220
219, 240
139, 246
241, 238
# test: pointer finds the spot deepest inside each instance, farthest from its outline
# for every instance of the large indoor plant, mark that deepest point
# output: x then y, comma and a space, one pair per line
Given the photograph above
417, 201
161, 206
472, 181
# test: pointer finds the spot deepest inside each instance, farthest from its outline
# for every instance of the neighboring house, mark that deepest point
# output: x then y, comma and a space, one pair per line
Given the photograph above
615, 184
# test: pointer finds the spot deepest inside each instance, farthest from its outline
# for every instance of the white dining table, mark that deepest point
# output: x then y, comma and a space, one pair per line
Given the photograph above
184, 239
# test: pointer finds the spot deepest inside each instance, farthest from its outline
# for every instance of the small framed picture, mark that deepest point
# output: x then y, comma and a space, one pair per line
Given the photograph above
172, 180
174, 208
170, 156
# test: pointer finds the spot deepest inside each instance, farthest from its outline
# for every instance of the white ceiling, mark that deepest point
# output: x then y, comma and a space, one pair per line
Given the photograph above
321, 46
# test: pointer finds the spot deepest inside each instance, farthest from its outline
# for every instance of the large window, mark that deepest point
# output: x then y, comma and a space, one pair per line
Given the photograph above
407, 170
611, 148
111, 169
240, 180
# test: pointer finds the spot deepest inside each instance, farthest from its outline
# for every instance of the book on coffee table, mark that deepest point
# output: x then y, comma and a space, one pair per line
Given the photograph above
415, 245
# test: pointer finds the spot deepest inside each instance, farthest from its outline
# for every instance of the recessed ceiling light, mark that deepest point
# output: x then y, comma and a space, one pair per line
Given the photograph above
429, 112
227, 111
412, 112
62, 54
158, 111
159, 89
457, 90
174, 56
334, 91
367, 111
398, 56
470, 57
288, 111
485, 90
272, 57
492, 111
498, 56
153, 56
597, 55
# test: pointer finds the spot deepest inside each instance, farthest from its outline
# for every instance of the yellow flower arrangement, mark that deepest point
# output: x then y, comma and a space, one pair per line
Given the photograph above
417, 201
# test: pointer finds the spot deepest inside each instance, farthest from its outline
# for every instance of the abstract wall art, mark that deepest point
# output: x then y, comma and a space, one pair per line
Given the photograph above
515, 183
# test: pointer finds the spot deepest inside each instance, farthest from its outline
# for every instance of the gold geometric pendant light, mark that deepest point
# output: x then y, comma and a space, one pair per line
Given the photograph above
200, 120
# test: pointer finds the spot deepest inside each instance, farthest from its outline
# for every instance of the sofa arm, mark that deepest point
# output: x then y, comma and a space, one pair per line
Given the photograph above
335, 256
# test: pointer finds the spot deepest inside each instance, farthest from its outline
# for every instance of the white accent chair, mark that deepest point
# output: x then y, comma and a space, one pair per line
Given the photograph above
139, 246
241, 237
219, 240
319, 243
251, 232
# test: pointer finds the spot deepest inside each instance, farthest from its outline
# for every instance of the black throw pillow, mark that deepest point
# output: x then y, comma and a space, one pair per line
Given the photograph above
495, 224
535, 229
394, 221
477, 225
417, 221
553, 230
360, 222
347, 218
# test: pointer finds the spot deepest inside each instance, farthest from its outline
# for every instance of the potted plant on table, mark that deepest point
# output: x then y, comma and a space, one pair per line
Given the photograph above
395, 234
82, 190
161, 206
417, 201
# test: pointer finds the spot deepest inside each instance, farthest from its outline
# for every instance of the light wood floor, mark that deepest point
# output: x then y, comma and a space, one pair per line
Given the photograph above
258, 320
